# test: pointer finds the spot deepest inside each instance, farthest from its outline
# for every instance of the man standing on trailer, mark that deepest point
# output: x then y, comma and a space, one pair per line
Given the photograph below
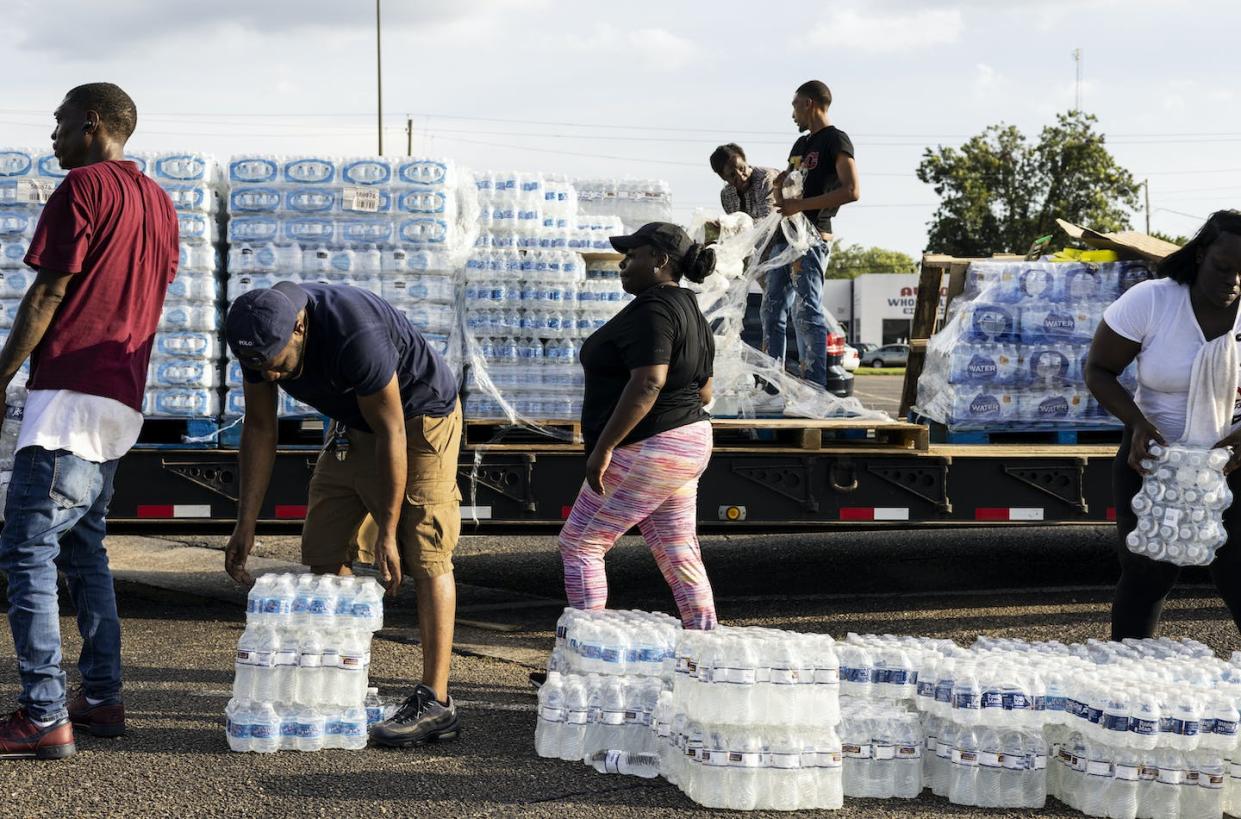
106, 249
825, 158
391, 454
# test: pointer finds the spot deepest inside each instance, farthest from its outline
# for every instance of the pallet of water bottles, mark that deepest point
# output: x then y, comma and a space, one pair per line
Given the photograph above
1009, 363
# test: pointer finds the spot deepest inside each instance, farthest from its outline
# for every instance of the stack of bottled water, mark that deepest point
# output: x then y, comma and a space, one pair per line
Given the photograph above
753, 716
604, 720
1140, 728
387, 225
27, 179
529, 299
184, 378
184, 373
882, 748
634, 201
301, 666
1012, 352
747, 719
1180, 507
14, 407
737, 718
604, 680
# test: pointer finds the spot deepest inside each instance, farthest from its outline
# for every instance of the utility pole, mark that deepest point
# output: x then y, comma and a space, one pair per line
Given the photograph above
1146, 184
409, 135
379, 81
1077, 87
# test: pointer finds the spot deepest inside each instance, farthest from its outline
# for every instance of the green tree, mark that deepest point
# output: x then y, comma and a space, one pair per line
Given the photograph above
1168, 237
854, 260
998, 192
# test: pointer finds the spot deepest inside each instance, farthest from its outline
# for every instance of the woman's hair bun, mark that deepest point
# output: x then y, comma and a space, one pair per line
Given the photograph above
698, 263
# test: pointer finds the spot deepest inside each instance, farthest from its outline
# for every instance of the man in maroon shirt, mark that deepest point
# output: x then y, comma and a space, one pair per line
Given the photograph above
105, 251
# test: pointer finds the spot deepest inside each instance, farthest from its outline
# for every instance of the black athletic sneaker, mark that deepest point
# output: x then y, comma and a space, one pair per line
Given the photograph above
419, 719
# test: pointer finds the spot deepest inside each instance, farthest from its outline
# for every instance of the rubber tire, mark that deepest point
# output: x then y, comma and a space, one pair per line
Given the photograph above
877, 363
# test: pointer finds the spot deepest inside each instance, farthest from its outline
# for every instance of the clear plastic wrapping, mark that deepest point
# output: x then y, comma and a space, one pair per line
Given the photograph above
1012, 351
1181, 505
748, 383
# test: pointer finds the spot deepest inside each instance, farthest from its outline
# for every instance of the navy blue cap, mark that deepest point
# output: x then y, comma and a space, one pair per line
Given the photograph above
260, 322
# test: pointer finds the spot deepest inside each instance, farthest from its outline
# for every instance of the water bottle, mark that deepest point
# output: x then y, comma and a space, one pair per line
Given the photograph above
310, 687
244, 664
264, 728
353, 731
255, 598
284, 668
302, 595
368, 606
351, 668
332, 689
267, 645
310, 728
577, 709
963, 775
237, 724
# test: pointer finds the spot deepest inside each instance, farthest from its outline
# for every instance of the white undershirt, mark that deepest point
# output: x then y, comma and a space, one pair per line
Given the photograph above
1158, 315
92, 427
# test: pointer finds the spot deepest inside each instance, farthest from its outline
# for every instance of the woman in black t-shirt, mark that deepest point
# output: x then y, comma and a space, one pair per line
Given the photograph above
647, 434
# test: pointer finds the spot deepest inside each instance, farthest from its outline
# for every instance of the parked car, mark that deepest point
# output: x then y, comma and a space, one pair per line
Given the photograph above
853, 358
892, 355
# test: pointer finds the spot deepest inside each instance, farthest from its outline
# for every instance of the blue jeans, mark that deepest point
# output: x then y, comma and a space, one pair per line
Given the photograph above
798, 288
54, 518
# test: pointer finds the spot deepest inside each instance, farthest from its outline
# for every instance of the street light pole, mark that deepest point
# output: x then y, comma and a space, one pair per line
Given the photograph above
379, 81
1146, 183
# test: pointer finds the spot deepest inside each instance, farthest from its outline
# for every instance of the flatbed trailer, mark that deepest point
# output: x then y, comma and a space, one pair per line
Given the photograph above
765, 475
528, 487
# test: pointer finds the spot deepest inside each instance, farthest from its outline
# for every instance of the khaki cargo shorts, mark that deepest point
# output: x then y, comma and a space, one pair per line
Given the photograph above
339, 526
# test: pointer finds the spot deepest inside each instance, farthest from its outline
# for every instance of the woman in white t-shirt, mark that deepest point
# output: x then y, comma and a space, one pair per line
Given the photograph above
1163, 323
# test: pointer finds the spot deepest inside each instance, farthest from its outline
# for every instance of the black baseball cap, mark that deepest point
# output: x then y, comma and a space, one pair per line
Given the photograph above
666, 236
260, 322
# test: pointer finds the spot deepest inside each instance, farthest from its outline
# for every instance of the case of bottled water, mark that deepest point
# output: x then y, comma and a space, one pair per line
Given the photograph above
1011, 353
300, 673
1181, 505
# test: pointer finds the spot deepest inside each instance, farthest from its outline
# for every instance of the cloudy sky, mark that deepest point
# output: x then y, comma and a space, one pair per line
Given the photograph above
647, 89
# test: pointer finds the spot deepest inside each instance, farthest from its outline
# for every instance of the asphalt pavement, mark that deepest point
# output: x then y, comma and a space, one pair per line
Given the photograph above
178, 648
881, 392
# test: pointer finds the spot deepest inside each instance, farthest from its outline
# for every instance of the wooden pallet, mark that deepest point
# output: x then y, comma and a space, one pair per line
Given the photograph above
303, 432
732, 434
500, 432
1065, 436
172, 433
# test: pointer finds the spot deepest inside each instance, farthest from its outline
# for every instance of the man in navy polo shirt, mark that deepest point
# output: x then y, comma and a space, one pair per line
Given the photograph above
391, 454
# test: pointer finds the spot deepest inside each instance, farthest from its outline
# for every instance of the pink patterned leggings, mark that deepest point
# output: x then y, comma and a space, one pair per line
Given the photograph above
652, 484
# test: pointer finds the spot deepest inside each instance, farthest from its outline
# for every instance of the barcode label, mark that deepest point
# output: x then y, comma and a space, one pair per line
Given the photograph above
360, 199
